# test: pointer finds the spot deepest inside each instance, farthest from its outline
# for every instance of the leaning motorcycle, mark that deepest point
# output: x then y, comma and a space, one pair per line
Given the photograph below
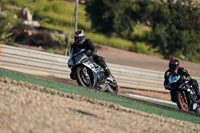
87, 73
185, 96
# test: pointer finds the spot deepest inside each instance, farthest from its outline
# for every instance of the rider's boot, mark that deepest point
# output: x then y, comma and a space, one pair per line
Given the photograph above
107, 72
173, 93
198, 98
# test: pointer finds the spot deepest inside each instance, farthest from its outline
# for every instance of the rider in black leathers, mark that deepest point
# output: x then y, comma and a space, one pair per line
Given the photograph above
174, 68
81, 42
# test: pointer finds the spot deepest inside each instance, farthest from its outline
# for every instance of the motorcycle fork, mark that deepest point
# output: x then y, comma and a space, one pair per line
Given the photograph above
184, 97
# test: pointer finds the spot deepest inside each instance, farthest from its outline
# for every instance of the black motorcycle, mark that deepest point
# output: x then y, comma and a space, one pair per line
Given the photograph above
87, 73
185, 96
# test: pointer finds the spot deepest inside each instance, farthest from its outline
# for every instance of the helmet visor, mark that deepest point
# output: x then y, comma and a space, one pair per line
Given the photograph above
173, 66
79, 39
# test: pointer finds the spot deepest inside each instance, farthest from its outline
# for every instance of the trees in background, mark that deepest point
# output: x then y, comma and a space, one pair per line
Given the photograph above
175, 23
175, 29
5, 29
111, 16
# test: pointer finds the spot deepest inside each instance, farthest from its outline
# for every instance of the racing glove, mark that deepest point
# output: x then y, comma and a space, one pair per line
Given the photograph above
188, 78
88, 52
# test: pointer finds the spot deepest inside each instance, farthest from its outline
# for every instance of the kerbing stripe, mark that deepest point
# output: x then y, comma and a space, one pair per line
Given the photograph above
0, 49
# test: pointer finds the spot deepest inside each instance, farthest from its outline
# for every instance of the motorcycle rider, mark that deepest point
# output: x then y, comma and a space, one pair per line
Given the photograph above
175, 68
81, 42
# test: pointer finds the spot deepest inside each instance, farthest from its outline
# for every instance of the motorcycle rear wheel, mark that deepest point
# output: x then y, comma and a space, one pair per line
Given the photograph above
83, 76
113, 89
198, 109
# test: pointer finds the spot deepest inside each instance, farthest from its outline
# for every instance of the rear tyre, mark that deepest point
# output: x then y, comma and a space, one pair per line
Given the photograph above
83, 76
198, 108
181, 103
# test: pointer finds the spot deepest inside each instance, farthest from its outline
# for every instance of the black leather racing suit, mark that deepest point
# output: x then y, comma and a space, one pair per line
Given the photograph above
183, 72
91, 50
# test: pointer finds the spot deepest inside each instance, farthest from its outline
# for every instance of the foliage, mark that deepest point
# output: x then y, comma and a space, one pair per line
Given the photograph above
60, 15
111, 41
5, 32
41, 38
174, 23
175, 29
19, 32
113, 16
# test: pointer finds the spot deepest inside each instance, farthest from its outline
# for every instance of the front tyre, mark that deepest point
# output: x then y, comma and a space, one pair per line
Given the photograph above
83, 76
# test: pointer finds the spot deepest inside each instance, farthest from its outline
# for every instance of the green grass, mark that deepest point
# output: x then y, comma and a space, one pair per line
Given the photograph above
126, 102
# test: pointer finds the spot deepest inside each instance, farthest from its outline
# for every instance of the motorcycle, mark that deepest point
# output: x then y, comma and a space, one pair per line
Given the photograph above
185, 96
87, 73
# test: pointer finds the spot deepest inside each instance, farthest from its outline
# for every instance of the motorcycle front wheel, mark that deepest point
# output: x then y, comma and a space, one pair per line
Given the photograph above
181, 101
83, 77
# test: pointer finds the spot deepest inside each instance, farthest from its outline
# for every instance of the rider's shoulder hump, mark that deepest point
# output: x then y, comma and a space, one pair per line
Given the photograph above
182, 69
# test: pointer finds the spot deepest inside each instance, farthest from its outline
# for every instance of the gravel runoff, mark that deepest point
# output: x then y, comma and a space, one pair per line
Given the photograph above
28, 108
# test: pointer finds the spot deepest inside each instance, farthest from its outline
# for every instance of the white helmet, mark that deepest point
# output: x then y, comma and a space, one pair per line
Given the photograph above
79, 37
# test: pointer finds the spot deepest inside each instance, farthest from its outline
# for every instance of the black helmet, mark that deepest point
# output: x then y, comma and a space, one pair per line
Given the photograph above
79, 37
173, 64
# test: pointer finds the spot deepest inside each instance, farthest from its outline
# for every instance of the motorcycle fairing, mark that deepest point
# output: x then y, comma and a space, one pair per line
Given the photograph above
96, 69
174, 78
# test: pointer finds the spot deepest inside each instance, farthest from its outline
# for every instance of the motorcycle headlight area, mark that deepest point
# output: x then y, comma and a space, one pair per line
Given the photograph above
173, 79
80, 58
70, 63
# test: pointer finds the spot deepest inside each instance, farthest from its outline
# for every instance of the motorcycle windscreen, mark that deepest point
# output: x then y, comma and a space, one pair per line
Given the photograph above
174, 78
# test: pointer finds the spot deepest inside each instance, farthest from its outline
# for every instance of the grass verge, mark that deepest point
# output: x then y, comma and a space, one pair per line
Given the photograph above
126, 102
